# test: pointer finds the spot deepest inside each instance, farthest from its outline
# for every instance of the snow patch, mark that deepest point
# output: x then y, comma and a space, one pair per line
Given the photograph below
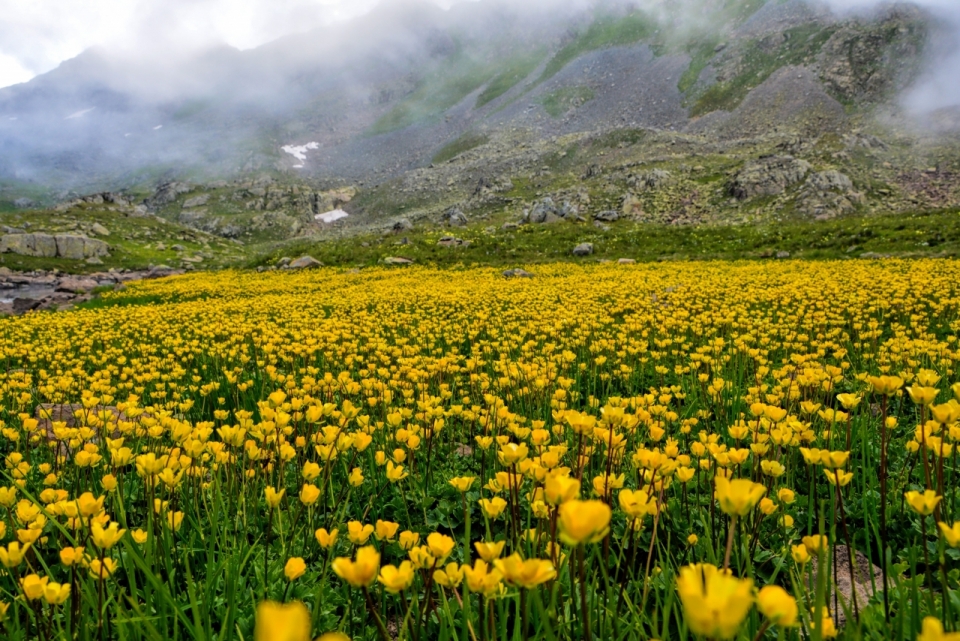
331, 216
79, 113
300, 151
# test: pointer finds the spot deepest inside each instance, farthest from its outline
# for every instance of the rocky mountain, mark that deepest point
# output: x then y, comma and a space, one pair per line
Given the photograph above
750, 109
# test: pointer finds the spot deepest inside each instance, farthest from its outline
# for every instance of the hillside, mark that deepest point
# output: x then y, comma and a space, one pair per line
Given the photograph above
489, 115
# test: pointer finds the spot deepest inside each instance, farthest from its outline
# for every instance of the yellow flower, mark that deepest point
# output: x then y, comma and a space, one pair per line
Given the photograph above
715, 603
356, 477
489, 551
396, 579
362, 572
767, 506
816, 543
395, 473
295, 568
309, 494
801, 554
462, 483
560, 488
825, 624
139, 536
692, 539
32, 586
833, 460
849, 401
923, 395
409, 539
310, 471
838, 475
71, 556
933, 631
8, 496
13, 554
274, 497
951, 534
385, 530
482, 578
450, 576
738, 497
492, 508
440, 546
777, 605
175, 520
923, 504
786, 495
512, 453
106, 538
326, 539
101, 570
358, 533
421, 557
637, 504
584, 521
109, 483
886, 385
282, 622
333, 636
525, 574
56, 593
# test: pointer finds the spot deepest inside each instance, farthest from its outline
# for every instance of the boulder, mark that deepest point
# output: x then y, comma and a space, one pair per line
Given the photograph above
632, 207
583, 249
609, 216
455, 217
24, 305
79, 247
650, 180
768, 176
450, 241
626, 261
401, 226
568, 210
99, 230
305, 262
196, 201
76, 285
41, 245
509, 226
542, 211
517, 273
849, 580
397, 260
831, 180
23, 203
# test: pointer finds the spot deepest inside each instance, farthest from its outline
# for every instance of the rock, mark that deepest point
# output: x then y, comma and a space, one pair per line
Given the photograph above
449, 241
767, 176
161, 247
283, 262
306, 262
783, 254
849, 580
455, 217
874, 255
830, 180
196, 201
583, 249
93, 260
178, 248
609, 216
632, 207
401, 226
517, 273
41, 245
99, 230
651, 180
568, 210
542, 211
23, 203
509, 226
79, 247
601, 226
626, 261
161, 271
166, 194
24, 305
397, 260
76, 285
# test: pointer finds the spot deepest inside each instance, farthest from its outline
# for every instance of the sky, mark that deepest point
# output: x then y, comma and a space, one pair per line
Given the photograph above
37, 35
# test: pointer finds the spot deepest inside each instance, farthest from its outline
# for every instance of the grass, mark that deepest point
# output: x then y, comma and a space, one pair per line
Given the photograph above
561, 101
936, 233
462, 144
517, 68
801, 45
604, 31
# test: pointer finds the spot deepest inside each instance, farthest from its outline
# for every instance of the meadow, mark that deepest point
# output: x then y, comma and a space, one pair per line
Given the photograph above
661, 451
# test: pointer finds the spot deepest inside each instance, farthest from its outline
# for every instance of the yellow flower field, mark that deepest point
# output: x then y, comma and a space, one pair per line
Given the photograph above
669, 451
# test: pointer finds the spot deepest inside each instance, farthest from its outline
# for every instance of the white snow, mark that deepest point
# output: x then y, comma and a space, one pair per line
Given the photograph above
331, 216
300, 151
79, 113
298, 166
158, 127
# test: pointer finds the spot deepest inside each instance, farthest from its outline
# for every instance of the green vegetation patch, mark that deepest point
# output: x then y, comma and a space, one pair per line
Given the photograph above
563, 100
517, 68
800, 45
462, 144
605, 31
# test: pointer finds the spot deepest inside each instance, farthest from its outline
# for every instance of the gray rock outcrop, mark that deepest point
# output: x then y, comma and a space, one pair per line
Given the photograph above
583, 249
53, 246
768, 176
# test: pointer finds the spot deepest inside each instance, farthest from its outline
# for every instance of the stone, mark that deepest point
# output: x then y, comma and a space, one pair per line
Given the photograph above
76, 285
632, 207
93, 260
23, 203
449, 241
99, 230
397, 260
517, 273
283, 262
178, 248
583, 249
509, 226
651, 180
41, 245
568, 210
305, 262
196, 201
24, 305
542, 211
768, 176
626, 261
601, 226
79, 247
161, 271
401, 226
783, 254
849, 580
609, 216
455, 217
